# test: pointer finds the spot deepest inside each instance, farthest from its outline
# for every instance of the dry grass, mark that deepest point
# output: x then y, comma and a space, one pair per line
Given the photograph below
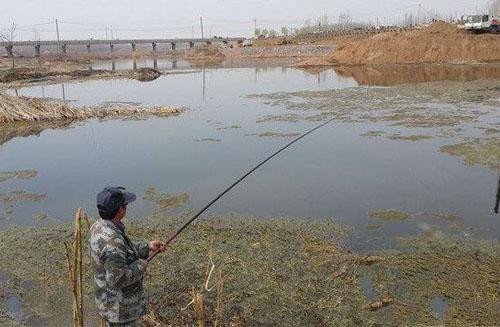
15, 109
275, 272
75, 266
198, 296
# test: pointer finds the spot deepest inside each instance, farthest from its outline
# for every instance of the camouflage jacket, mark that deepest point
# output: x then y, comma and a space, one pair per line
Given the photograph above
118, 274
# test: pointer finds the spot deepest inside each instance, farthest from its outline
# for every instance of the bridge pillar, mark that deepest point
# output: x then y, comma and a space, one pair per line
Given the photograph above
111, 47
155, 63
174, 64
88, 48
154, 46
135, 65
64, 48
133, 47
173, 45
9, 48
37, 50
113, 66
191, 45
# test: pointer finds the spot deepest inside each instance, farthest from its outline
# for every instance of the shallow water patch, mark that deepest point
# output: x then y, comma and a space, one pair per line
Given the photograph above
438, 306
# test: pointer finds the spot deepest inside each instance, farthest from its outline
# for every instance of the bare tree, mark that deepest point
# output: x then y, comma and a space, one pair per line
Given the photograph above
9, 36
345, 20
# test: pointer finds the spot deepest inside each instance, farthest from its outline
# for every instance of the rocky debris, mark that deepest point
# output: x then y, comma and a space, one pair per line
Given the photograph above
286, 51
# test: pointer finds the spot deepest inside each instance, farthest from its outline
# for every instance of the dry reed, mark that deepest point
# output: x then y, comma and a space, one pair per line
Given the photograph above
74, 258
14, 109
198, 296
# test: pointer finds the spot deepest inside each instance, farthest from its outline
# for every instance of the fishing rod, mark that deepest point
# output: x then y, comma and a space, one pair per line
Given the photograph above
239, 180
497, 202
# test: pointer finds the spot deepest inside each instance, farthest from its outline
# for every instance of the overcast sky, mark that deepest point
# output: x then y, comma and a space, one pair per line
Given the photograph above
180, 18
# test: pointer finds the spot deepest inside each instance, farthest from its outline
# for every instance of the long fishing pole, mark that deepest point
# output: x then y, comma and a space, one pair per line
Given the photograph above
239, 180
497, 201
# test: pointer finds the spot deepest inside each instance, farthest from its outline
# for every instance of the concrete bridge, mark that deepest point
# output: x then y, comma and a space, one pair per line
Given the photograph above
9, 46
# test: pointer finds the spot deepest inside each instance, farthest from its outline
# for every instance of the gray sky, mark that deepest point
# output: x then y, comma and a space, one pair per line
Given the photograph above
178, 18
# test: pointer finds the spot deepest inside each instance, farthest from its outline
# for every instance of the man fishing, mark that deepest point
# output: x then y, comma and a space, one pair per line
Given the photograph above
119, 264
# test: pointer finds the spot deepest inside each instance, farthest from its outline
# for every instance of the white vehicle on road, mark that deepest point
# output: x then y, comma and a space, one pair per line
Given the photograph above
481, 23
247, 43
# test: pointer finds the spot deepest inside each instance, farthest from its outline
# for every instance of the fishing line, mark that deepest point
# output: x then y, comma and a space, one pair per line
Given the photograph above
239, 180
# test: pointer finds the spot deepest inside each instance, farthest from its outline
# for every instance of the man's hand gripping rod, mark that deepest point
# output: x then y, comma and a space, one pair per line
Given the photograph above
174, 236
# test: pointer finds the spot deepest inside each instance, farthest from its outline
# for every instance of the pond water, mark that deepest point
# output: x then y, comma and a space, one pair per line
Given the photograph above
332, 173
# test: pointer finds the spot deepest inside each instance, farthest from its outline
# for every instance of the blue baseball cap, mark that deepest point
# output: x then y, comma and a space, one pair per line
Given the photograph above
112, 198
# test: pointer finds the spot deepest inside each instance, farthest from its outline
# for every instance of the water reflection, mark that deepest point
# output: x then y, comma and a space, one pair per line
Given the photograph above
382, 75
21, 129
324, 176
438, 306
263, 79
387, 75
136, 63
63, 91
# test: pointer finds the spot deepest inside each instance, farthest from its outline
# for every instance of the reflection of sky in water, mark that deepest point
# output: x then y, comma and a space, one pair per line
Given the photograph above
332, 173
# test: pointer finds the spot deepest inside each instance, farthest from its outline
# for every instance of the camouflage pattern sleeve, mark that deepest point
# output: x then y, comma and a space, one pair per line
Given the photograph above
119, 272
142, 249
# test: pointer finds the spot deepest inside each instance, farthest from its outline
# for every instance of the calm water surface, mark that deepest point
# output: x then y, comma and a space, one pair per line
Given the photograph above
332, 173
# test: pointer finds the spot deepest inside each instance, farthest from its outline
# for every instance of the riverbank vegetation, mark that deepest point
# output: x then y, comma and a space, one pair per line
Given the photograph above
286, 271
18, 109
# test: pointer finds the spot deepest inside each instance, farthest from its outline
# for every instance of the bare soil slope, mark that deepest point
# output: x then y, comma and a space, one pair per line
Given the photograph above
438, 43
205, 53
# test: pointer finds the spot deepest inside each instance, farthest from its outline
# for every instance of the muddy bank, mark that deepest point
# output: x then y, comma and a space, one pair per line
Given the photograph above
277, 271
28, 75
438, 43
17, 109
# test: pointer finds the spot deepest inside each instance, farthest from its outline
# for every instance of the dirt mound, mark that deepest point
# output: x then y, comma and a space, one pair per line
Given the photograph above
438, 43
205, 53
146, 74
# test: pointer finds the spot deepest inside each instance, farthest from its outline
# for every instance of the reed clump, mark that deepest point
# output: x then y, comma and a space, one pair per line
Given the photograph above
20, 108
198, 296
74, 257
